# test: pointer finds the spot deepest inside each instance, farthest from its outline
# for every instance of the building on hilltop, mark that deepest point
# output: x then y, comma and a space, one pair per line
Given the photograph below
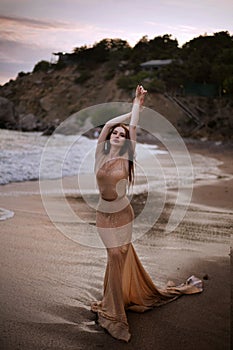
155, 64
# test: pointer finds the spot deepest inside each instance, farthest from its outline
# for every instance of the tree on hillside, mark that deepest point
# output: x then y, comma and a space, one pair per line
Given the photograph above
161, 47
101, 51
222, 71
140, 51
204, 60
203, 57
42, 66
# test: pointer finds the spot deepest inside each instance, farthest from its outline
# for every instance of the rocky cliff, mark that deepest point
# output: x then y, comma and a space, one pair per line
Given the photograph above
40, 101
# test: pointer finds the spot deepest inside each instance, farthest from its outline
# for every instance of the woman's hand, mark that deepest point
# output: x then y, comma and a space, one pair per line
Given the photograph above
140, 94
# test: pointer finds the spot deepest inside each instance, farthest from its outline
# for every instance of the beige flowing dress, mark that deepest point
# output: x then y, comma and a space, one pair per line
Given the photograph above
126, 283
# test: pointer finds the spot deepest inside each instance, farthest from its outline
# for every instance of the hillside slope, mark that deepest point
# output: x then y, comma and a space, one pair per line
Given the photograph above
43, 99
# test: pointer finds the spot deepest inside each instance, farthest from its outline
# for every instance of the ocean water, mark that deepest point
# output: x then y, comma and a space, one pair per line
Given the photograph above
26, 156
21, 155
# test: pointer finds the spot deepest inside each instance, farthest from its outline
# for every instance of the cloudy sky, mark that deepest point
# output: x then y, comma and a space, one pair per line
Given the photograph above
30, 30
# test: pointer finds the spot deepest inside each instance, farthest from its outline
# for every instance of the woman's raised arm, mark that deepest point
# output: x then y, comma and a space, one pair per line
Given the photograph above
131, 117
137, 104
119, 119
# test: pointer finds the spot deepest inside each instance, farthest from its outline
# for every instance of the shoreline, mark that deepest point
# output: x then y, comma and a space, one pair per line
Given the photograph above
48, 281
219, 192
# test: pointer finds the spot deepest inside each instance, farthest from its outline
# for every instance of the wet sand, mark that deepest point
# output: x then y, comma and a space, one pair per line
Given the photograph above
48, 281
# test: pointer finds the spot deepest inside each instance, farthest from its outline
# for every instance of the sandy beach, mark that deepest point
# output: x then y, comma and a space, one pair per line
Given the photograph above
48, 281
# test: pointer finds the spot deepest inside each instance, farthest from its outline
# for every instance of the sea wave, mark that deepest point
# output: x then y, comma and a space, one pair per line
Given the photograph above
31, 156
21, 154
26, 156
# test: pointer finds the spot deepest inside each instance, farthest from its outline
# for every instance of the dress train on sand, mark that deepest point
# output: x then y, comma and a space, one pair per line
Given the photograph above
127, 286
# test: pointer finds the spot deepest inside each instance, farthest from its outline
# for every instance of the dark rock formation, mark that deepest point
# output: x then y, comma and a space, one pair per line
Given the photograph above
8, 116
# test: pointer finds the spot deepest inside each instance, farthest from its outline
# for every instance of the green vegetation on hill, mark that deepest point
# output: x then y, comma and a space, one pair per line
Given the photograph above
192, 85
202, 66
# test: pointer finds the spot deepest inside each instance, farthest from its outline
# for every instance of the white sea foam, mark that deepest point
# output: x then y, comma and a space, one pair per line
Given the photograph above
32, 156
21, 154
5, 214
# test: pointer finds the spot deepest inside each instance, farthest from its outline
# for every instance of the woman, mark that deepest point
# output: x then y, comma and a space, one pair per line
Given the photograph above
126, 283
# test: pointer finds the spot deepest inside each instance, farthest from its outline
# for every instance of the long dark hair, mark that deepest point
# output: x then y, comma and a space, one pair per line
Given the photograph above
127, 147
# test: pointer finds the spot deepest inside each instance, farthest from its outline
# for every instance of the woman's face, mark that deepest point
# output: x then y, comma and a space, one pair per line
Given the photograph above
118, 136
